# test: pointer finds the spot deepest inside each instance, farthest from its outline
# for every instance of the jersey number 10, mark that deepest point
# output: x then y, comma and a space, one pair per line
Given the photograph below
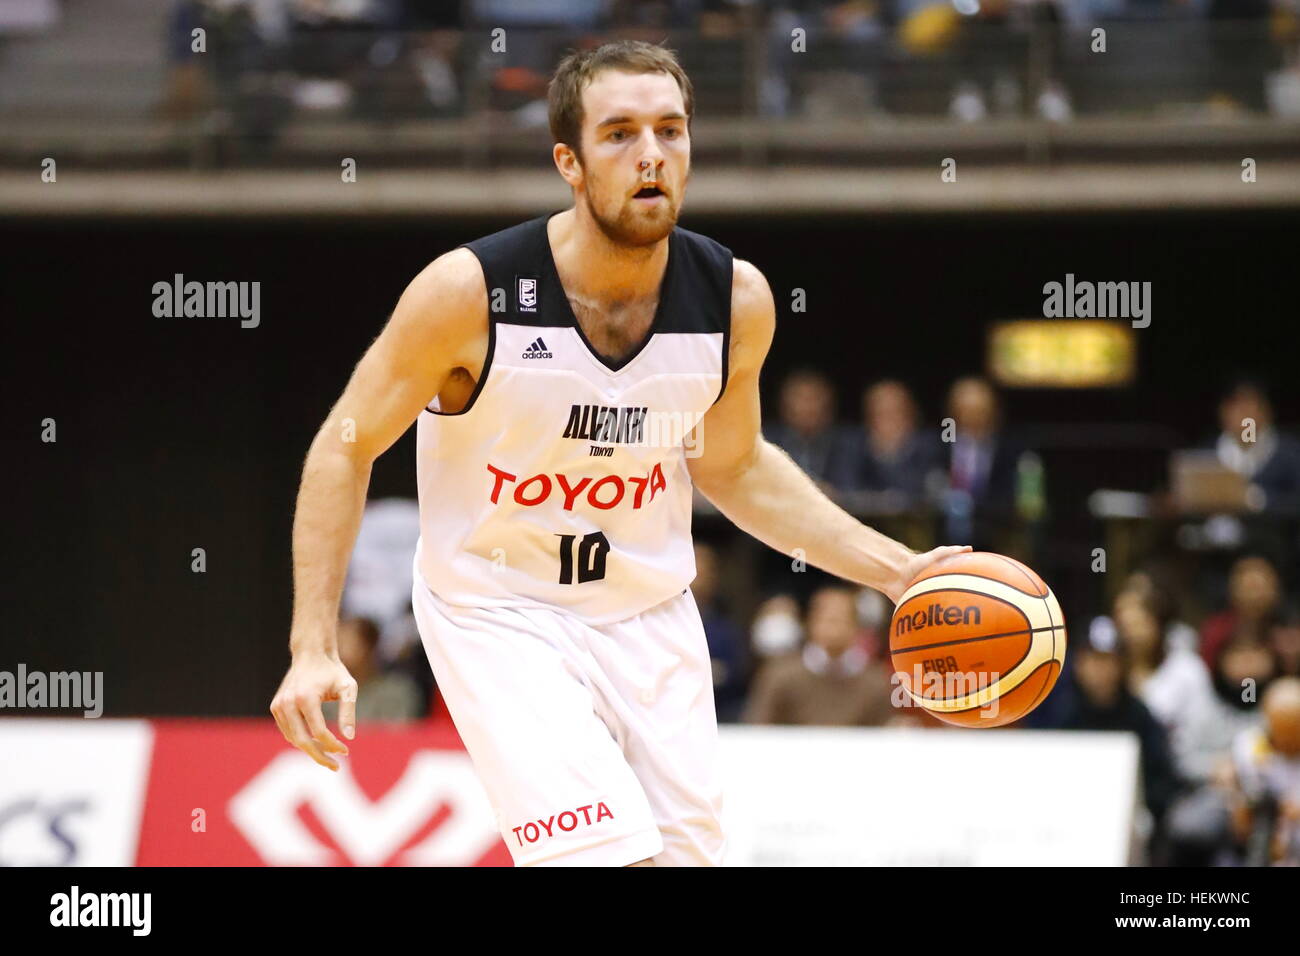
591, 557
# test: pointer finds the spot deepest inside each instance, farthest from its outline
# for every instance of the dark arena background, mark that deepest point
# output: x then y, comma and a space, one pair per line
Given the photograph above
910, 177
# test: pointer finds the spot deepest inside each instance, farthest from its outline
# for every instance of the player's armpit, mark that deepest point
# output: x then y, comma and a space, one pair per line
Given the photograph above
729, 437
439, 324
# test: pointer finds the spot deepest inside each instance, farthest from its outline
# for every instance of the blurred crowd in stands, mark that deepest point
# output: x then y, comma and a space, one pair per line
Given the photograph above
388, 60
1210, 688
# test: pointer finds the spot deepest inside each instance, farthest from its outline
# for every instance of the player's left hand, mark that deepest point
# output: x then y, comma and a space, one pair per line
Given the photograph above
918, 563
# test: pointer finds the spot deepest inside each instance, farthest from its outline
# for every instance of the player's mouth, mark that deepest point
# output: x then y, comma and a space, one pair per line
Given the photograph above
649, 194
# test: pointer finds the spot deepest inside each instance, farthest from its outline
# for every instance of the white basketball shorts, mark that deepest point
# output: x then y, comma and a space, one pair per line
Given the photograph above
597, 746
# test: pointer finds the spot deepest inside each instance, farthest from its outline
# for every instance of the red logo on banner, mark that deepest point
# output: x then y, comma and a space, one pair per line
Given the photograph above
407, 796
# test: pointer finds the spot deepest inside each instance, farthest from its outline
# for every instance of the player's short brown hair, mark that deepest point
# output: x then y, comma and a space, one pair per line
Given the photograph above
578, 69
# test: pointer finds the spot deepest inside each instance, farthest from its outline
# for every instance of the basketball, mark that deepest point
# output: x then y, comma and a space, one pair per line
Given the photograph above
978, 640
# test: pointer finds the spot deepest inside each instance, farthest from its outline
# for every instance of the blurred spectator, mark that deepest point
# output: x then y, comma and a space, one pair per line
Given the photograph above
1173, 682
981, 466
888, 457
537, 34
806, 428
380, 576
1102, 701
1178, 633
1200, 824
1266, 761
1254, 605
1284, 642
850, 43
184, 94
874, 614
246, 45
1243, 668
833, 681
726, 640
776, 629
436, 43
1250, 445
1198, 827
380, 696
1242, 51
993, 43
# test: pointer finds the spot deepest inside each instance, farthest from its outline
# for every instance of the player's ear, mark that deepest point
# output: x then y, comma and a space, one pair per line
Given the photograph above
567, 162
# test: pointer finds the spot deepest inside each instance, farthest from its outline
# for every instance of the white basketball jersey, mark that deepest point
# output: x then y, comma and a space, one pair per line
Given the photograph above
563, 481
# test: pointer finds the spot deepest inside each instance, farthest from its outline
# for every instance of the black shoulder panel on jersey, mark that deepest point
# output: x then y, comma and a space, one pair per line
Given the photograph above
497, 253
524, 289
515, 263
699, 297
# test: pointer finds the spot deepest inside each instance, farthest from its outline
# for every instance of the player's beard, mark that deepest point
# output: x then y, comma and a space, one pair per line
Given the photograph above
631, 226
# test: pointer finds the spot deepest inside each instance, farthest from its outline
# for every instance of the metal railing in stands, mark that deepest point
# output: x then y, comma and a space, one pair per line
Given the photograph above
1033, 91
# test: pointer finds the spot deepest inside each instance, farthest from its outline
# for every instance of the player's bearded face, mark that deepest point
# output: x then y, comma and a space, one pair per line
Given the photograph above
633, 213
636, 156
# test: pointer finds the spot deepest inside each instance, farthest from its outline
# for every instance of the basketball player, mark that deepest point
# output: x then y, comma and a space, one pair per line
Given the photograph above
574, 377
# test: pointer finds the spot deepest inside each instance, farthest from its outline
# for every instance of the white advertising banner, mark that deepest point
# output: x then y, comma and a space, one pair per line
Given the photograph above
931, 797
72, 791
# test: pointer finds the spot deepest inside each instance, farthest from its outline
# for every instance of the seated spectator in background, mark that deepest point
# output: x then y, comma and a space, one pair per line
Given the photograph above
1102, 701
1178, 633
888, 457
1172, 681
727, 651
1284, 642
981, 465
1239, 675
1254, 605
379, 579
833, 681
1266, 764
777, 629
436, 33
850, 42
184, 94
806, 428
539, 32
1250, 445
380, 696
378, 588
1242, 52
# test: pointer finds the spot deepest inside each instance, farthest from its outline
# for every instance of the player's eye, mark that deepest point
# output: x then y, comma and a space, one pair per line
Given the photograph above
672, 132
618, 135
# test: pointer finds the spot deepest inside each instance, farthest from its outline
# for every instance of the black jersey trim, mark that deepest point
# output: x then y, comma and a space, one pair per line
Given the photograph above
726, 336
487, 359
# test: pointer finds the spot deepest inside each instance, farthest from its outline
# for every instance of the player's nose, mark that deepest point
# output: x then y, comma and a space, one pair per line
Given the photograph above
650, 151
650, 167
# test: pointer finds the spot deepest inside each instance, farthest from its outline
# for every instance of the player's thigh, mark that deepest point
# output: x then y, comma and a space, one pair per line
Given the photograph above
561, 788
661, 685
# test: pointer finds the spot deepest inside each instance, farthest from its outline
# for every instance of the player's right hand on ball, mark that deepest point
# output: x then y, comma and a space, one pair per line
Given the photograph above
311, 680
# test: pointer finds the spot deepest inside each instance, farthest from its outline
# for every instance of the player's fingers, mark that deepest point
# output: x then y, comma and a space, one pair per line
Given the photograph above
301, 739
950, 549
309, 706
277, 709
348, 709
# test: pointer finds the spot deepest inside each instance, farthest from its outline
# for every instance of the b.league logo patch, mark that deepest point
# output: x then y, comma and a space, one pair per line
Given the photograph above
527, 294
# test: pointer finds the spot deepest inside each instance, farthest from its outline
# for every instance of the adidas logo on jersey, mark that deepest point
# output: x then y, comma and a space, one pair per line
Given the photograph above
537, 350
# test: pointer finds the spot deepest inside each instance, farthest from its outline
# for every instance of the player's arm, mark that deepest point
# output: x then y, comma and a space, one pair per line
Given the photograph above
439, 320
758, 486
